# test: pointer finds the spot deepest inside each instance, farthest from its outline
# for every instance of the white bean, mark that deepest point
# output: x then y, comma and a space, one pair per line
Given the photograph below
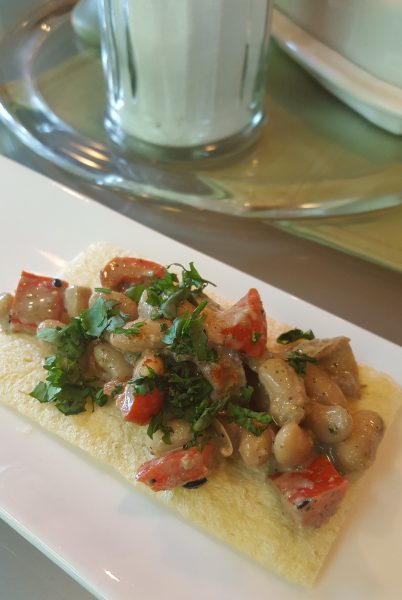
181, 434
358, 451
6, 301
255, 450
329, 424
226, 374
50, 324
292, 446
322, 388
122, 302
145, 310
287, 396
336, 356
147, 363
149, 337
111, 362
76, 299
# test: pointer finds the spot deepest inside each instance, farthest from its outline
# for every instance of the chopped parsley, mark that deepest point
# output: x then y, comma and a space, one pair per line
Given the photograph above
133, 330
69, 341
66, 385
166, 293
146, 383
135, 292
255, 422
298, 361
192, 278
255, 336
187, 396
186, 336
293, 335
246, 393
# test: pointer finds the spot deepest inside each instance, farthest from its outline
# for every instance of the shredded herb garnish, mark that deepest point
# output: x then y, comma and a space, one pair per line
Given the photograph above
187, 396
246, 393
298, 361
293, 335
135, 292
66, 385
255, 336
166, 293
251, 420
186, 336
133, 330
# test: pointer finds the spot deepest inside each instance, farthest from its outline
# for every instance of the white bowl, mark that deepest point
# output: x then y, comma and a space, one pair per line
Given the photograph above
353, 47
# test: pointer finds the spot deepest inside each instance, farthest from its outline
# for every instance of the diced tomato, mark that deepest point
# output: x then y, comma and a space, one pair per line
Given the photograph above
178, 467
121, 272
242, 327
313, 495
139, 408
36, 299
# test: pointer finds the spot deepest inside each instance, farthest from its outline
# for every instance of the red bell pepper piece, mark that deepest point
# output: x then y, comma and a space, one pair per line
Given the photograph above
178, 467
314, 494
36, 299
242, 327
139, 408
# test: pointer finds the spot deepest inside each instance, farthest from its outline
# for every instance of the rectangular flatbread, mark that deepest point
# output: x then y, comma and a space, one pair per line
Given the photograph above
239, 506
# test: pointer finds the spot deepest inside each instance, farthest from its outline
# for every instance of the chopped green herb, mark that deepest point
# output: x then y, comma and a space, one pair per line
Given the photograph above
135, 292
205, 412
118, 388
157, 423
102, 290
293, 335
100, 398
298, 361
192, 278
246, 393
133, 330
251, 420
255, 336
160, 289
63, 387
94, 319
166, 293
186, 337
187, 396
146, 383
69, 341
168, 308
66, 384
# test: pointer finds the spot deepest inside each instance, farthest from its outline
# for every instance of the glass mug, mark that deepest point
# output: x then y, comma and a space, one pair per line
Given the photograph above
185, 78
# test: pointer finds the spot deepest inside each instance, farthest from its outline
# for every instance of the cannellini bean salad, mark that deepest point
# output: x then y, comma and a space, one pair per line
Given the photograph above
202, 380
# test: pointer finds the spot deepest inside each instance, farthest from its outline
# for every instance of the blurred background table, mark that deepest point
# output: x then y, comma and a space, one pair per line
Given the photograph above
349, 266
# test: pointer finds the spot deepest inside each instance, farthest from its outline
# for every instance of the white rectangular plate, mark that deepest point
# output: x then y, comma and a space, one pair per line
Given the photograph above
117, 543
